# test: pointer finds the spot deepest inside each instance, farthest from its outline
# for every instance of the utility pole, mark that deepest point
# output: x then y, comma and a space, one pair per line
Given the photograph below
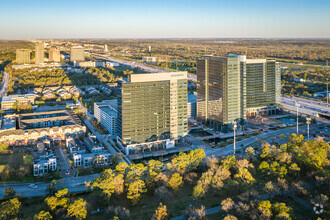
327, 88
235, 126
297, 117
308, 121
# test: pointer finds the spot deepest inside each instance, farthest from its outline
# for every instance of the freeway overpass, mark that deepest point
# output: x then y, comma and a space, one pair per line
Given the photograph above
307, 107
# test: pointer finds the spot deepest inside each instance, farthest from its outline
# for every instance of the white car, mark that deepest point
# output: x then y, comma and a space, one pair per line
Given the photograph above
33, 186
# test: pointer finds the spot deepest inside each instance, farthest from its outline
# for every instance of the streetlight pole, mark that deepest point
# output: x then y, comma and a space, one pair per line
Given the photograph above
297, 117
235, 126
308, 121
327, 94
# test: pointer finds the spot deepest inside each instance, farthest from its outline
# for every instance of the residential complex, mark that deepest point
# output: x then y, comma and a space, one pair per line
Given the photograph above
39, 53
23, 56
54, 55
8, 102
87, 153
233, 87
77, 54
29, 128
152, 108
44, 159
106, 113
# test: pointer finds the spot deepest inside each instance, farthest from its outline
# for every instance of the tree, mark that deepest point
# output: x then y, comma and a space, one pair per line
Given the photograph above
42, 215
282, 184
9, 193
220, 175
249, 152
294, 169
9, 208
105, 183
28, 159
135, 189
60, 200
121, 167
227, 204
280, 207
78, 209
161, 212
270, 188
264, 166
265, 208
176, 181
245, 175
230, 217
118, 183
3, 148
198, 192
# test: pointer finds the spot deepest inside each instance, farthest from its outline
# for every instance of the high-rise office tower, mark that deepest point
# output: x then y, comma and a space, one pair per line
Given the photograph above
263, 86
218, 89
39, 55
23, 56
152, 108
54, 54
105, 48
77, 54
233, 87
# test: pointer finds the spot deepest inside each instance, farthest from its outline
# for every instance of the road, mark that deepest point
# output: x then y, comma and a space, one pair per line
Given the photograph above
144, 67
228, 150
308, 107
4, 84
74, 184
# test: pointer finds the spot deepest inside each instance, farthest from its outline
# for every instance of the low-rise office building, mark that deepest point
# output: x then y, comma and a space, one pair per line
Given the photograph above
106, 113
90, 64
8, 102
150, 59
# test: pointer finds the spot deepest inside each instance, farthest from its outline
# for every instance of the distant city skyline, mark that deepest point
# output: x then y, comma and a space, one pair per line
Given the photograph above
40, 19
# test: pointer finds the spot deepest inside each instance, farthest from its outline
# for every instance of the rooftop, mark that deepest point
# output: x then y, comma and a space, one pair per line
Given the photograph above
151, 77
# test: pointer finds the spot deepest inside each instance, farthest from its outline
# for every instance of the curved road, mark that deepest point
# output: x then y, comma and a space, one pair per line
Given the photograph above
4, 84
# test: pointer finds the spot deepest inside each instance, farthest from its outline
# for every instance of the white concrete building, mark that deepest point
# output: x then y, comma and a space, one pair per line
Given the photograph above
106, 113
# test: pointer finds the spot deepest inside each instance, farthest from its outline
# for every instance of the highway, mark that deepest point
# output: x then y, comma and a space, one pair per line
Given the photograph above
308, 107
144, 67
4, 84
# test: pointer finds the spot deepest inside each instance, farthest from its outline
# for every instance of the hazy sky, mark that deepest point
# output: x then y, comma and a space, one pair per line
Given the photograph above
26, 19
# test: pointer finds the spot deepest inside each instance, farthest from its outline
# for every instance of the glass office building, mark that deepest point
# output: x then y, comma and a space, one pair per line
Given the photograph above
152, 107
233, 87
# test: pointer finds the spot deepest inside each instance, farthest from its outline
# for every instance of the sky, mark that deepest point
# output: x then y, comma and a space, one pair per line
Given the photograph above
43, 19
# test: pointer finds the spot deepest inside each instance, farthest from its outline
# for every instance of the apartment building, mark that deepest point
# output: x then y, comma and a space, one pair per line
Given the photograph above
106, 113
